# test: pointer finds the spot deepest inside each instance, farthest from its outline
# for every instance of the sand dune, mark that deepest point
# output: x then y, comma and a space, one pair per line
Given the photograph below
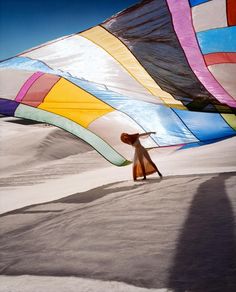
36, 144
90, 220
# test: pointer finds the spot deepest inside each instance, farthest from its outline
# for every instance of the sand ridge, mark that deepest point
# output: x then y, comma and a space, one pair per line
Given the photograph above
174, 234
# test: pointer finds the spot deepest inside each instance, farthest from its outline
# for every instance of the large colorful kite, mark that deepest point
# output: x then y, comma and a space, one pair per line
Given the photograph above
162, 65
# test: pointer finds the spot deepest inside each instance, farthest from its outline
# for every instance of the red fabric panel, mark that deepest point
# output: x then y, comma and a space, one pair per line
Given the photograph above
231, 12
40, 89
220, 58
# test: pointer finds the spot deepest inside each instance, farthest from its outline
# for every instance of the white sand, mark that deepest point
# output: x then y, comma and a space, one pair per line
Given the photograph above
65, 284
177, 233
64, 165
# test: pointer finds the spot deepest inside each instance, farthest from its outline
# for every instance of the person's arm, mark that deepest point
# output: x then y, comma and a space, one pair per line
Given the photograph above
146, 134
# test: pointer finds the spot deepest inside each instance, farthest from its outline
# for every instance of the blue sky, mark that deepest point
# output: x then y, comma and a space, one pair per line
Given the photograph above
25, 24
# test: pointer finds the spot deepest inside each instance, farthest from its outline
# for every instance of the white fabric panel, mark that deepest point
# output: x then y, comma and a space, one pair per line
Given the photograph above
209, 15
85, 60
11, 82
110, 126
225, 74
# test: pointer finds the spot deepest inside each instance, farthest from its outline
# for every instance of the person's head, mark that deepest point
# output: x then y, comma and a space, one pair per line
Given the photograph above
125, 138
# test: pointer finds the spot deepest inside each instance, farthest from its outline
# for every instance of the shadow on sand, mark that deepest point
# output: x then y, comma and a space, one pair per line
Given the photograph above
99, 192
205, 258
82, 197
117, 247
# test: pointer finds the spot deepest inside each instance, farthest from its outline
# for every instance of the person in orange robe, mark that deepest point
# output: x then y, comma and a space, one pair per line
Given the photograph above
142, 163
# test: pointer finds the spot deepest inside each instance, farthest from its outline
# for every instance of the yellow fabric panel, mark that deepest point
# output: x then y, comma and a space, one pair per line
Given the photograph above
70, 101
230, 119
119, 51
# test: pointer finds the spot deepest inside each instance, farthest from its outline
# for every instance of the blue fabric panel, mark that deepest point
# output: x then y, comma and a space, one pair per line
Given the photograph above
161, 119
206, 126
24, 63
217, 40
197, 2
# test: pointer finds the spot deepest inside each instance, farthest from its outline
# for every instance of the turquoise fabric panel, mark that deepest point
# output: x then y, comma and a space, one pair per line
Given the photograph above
217, 40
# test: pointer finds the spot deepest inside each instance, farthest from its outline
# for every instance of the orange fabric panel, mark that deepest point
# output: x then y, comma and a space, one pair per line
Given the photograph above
39, 89
231, 12
219, 58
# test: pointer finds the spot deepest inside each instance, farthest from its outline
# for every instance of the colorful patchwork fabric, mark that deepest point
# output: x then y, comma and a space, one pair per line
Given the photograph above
161, 65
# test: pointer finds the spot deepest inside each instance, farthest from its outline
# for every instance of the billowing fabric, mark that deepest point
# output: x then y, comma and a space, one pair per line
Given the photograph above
157, 48
161, 66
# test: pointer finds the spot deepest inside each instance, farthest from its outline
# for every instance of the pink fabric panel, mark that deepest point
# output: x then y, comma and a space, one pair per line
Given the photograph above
182, 20
27, 85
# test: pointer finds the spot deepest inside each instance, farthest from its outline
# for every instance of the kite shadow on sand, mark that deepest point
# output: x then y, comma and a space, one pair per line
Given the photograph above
205, 258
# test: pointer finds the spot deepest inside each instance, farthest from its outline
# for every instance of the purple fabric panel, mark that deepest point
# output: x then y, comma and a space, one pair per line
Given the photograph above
182, 20
27, 85
8, 107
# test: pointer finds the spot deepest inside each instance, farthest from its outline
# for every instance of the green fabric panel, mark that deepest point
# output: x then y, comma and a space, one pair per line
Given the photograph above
24, 111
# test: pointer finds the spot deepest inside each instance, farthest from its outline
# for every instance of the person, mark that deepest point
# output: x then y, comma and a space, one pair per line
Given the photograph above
142, 163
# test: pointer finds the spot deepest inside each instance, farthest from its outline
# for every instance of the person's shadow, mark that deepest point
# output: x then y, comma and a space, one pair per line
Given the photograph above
205, 259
